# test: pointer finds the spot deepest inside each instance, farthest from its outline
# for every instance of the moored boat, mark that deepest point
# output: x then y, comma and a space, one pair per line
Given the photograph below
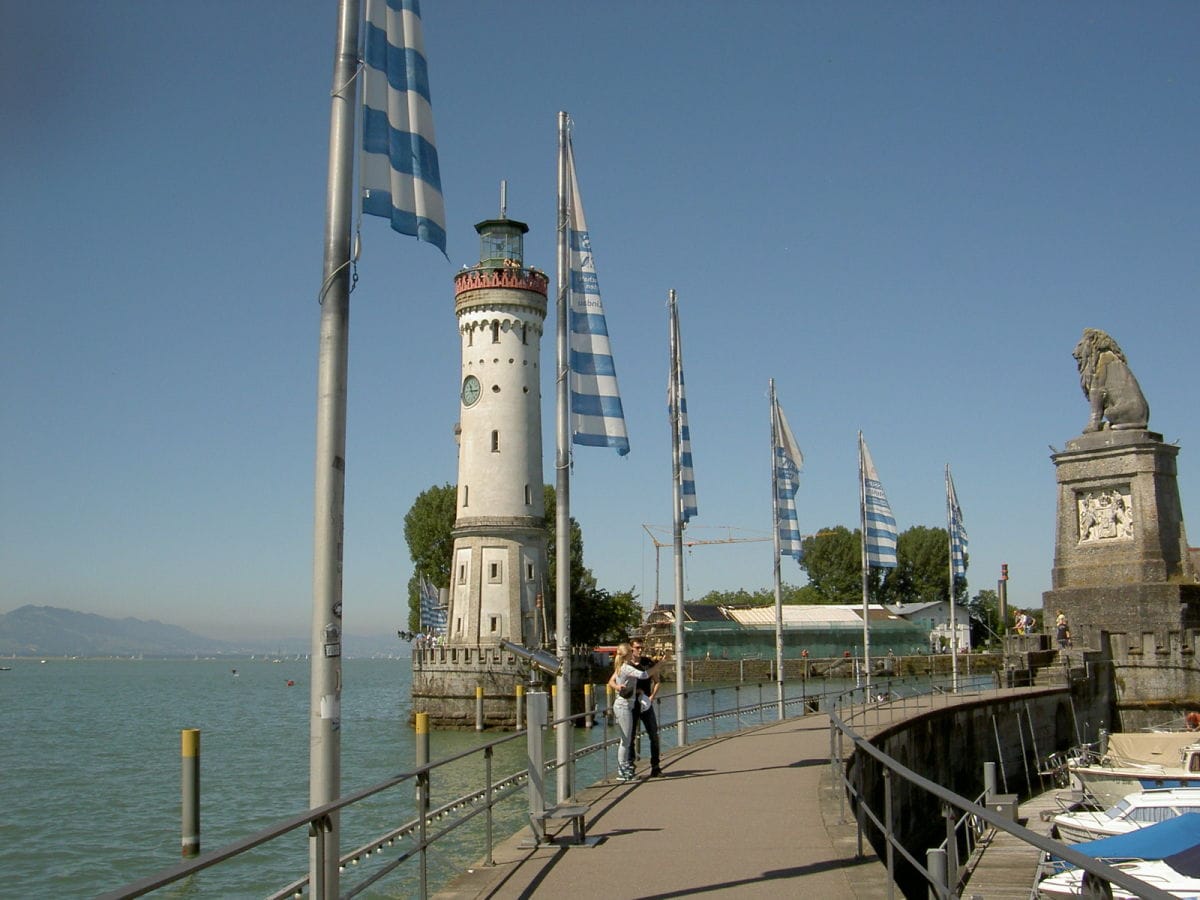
1137, 810
1138, 762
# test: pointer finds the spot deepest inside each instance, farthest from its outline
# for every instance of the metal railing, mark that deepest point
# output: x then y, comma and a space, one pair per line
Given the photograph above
726, 709
965, 819
724, 712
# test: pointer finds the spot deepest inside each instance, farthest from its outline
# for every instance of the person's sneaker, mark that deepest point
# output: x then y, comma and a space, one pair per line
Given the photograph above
626, 775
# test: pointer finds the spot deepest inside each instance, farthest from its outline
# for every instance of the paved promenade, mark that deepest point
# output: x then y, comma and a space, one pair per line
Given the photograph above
751, 814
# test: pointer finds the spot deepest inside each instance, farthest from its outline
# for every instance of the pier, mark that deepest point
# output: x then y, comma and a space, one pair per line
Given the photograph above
754, 813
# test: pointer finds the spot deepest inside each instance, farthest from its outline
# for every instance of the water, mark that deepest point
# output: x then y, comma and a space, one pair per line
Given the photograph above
90, 763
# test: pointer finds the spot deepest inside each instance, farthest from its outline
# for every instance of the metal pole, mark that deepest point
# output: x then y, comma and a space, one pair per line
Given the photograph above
953, 620
190, 787
330, 457
421, 754
562, 469
775, 442
866, 569
677, 526
479, 707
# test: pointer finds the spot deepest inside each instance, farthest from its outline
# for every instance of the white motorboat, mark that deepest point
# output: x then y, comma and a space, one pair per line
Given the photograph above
1137, 810
1138, 762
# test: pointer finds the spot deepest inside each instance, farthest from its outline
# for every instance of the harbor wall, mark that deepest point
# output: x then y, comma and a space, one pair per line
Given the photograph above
1016, 730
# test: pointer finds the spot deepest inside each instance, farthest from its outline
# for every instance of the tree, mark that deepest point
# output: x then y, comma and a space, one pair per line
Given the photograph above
832, 558
598, 617
428, 531
984, 609
922, 573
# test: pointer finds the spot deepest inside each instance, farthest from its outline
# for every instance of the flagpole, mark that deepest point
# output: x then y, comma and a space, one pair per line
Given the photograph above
866, 568
677, 523
953, 622
325, 697
562, 485
776, 441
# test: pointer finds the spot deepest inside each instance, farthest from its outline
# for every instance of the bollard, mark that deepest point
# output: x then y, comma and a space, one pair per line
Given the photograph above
536, 707
190, 785
520, 716
590, 719
479, 707
421, 727
989, 778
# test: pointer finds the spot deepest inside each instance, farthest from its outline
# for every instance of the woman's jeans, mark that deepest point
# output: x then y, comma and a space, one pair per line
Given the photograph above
623, 713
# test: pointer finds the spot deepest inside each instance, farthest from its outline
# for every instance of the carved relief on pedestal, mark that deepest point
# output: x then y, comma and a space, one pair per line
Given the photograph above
1105, 515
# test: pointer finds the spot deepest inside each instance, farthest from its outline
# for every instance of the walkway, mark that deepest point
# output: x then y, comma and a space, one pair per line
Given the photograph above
750, 814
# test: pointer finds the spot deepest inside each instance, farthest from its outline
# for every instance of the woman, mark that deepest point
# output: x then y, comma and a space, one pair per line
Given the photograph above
1060, 626
623, 683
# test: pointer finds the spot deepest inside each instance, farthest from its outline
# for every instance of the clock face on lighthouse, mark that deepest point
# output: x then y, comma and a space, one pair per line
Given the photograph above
470, 390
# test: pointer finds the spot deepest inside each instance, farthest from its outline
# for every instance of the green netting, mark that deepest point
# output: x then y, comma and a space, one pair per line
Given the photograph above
728, 640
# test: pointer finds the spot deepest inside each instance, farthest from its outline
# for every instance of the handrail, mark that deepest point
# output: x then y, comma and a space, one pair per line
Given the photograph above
839, 728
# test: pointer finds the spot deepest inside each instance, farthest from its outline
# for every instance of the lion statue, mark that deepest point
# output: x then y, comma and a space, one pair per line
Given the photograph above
1111, 390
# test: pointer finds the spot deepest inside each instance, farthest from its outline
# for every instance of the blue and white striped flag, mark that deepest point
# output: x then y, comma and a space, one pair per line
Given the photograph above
677, 410
399, 171
433, 614
597, 418
788, 461
958, 532
878, 523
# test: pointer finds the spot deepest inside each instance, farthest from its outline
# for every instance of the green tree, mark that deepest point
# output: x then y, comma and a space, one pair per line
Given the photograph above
598, 617
832, 559
922, 573
428, 531
984, 609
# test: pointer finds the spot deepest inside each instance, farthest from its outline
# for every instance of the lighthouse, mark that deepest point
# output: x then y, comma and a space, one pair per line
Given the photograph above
499, 559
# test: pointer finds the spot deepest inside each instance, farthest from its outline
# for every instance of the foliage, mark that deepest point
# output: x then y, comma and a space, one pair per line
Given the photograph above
428, 531
984, 609
922, 573
832, 558
789, 593
598, 617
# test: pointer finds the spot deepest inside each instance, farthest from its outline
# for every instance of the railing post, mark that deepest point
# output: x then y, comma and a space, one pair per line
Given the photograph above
190, 778
421, 727
487, 788
888, 836
935, 862
989, 778
537, 703
951, 848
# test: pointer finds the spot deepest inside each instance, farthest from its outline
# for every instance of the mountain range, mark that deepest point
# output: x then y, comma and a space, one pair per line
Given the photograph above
52, 631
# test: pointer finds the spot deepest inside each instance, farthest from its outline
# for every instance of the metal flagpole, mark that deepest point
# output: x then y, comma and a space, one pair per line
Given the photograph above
677, 523
866, 568
776, 441
330, 481
953, 622
562, 484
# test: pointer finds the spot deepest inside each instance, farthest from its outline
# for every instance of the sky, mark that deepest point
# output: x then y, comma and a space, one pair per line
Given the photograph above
904, 213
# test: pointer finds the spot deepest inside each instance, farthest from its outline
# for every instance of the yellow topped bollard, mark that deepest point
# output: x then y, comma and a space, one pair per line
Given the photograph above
190, 791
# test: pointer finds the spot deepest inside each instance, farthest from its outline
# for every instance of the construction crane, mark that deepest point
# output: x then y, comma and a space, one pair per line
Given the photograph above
693, 542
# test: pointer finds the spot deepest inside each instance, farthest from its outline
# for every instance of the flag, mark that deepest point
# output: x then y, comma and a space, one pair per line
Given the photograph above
879, 526
597, 418
958, 532
788, 461
399, 171
677, 411
433, 614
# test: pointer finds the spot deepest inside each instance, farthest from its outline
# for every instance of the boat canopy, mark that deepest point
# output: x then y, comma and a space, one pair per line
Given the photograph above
1174, 837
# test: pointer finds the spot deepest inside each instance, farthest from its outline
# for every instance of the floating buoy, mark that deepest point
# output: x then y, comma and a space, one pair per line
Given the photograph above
290, 682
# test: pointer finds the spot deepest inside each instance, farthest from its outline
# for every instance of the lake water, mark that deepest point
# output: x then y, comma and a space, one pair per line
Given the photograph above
90, 769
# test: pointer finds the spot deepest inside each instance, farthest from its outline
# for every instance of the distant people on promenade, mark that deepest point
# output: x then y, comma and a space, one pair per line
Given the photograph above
1022, 624
1062, 631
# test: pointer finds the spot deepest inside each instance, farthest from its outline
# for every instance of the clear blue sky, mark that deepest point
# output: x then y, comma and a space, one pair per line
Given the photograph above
905, 213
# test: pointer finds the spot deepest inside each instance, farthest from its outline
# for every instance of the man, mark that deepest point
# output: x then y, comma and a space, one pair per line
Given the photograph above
643, 708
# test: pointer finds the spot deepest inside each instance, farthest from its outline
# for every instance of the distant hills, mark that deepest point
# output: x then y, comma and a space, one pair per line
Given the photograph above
51, 631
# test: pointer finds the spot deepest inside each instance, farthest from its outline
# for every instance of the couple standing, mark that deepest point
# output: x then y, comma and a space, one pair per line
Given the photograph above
635, 681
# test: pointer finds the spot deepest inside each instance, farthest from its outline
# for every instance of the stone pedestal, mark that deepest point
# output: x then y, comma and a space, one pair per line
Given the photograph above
1122, 572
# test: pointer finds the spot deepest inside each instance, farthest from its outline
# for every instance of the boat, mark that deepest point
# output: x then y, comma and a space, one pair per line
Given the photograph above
1137, 810
1165, 855
1138, 762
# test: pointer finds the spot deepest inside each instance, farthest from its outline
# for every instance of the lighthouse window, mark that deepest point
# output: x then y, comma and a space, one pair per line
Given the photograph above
495, 332
529, 571
525, 334
466, 495
462, 573
494, 622
528, 496
494, 572
495, 442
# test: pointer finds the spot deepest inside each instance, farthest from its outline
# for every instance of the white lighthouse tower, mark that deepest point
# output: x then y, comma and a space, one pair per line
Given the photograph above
499, 558
499, 563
